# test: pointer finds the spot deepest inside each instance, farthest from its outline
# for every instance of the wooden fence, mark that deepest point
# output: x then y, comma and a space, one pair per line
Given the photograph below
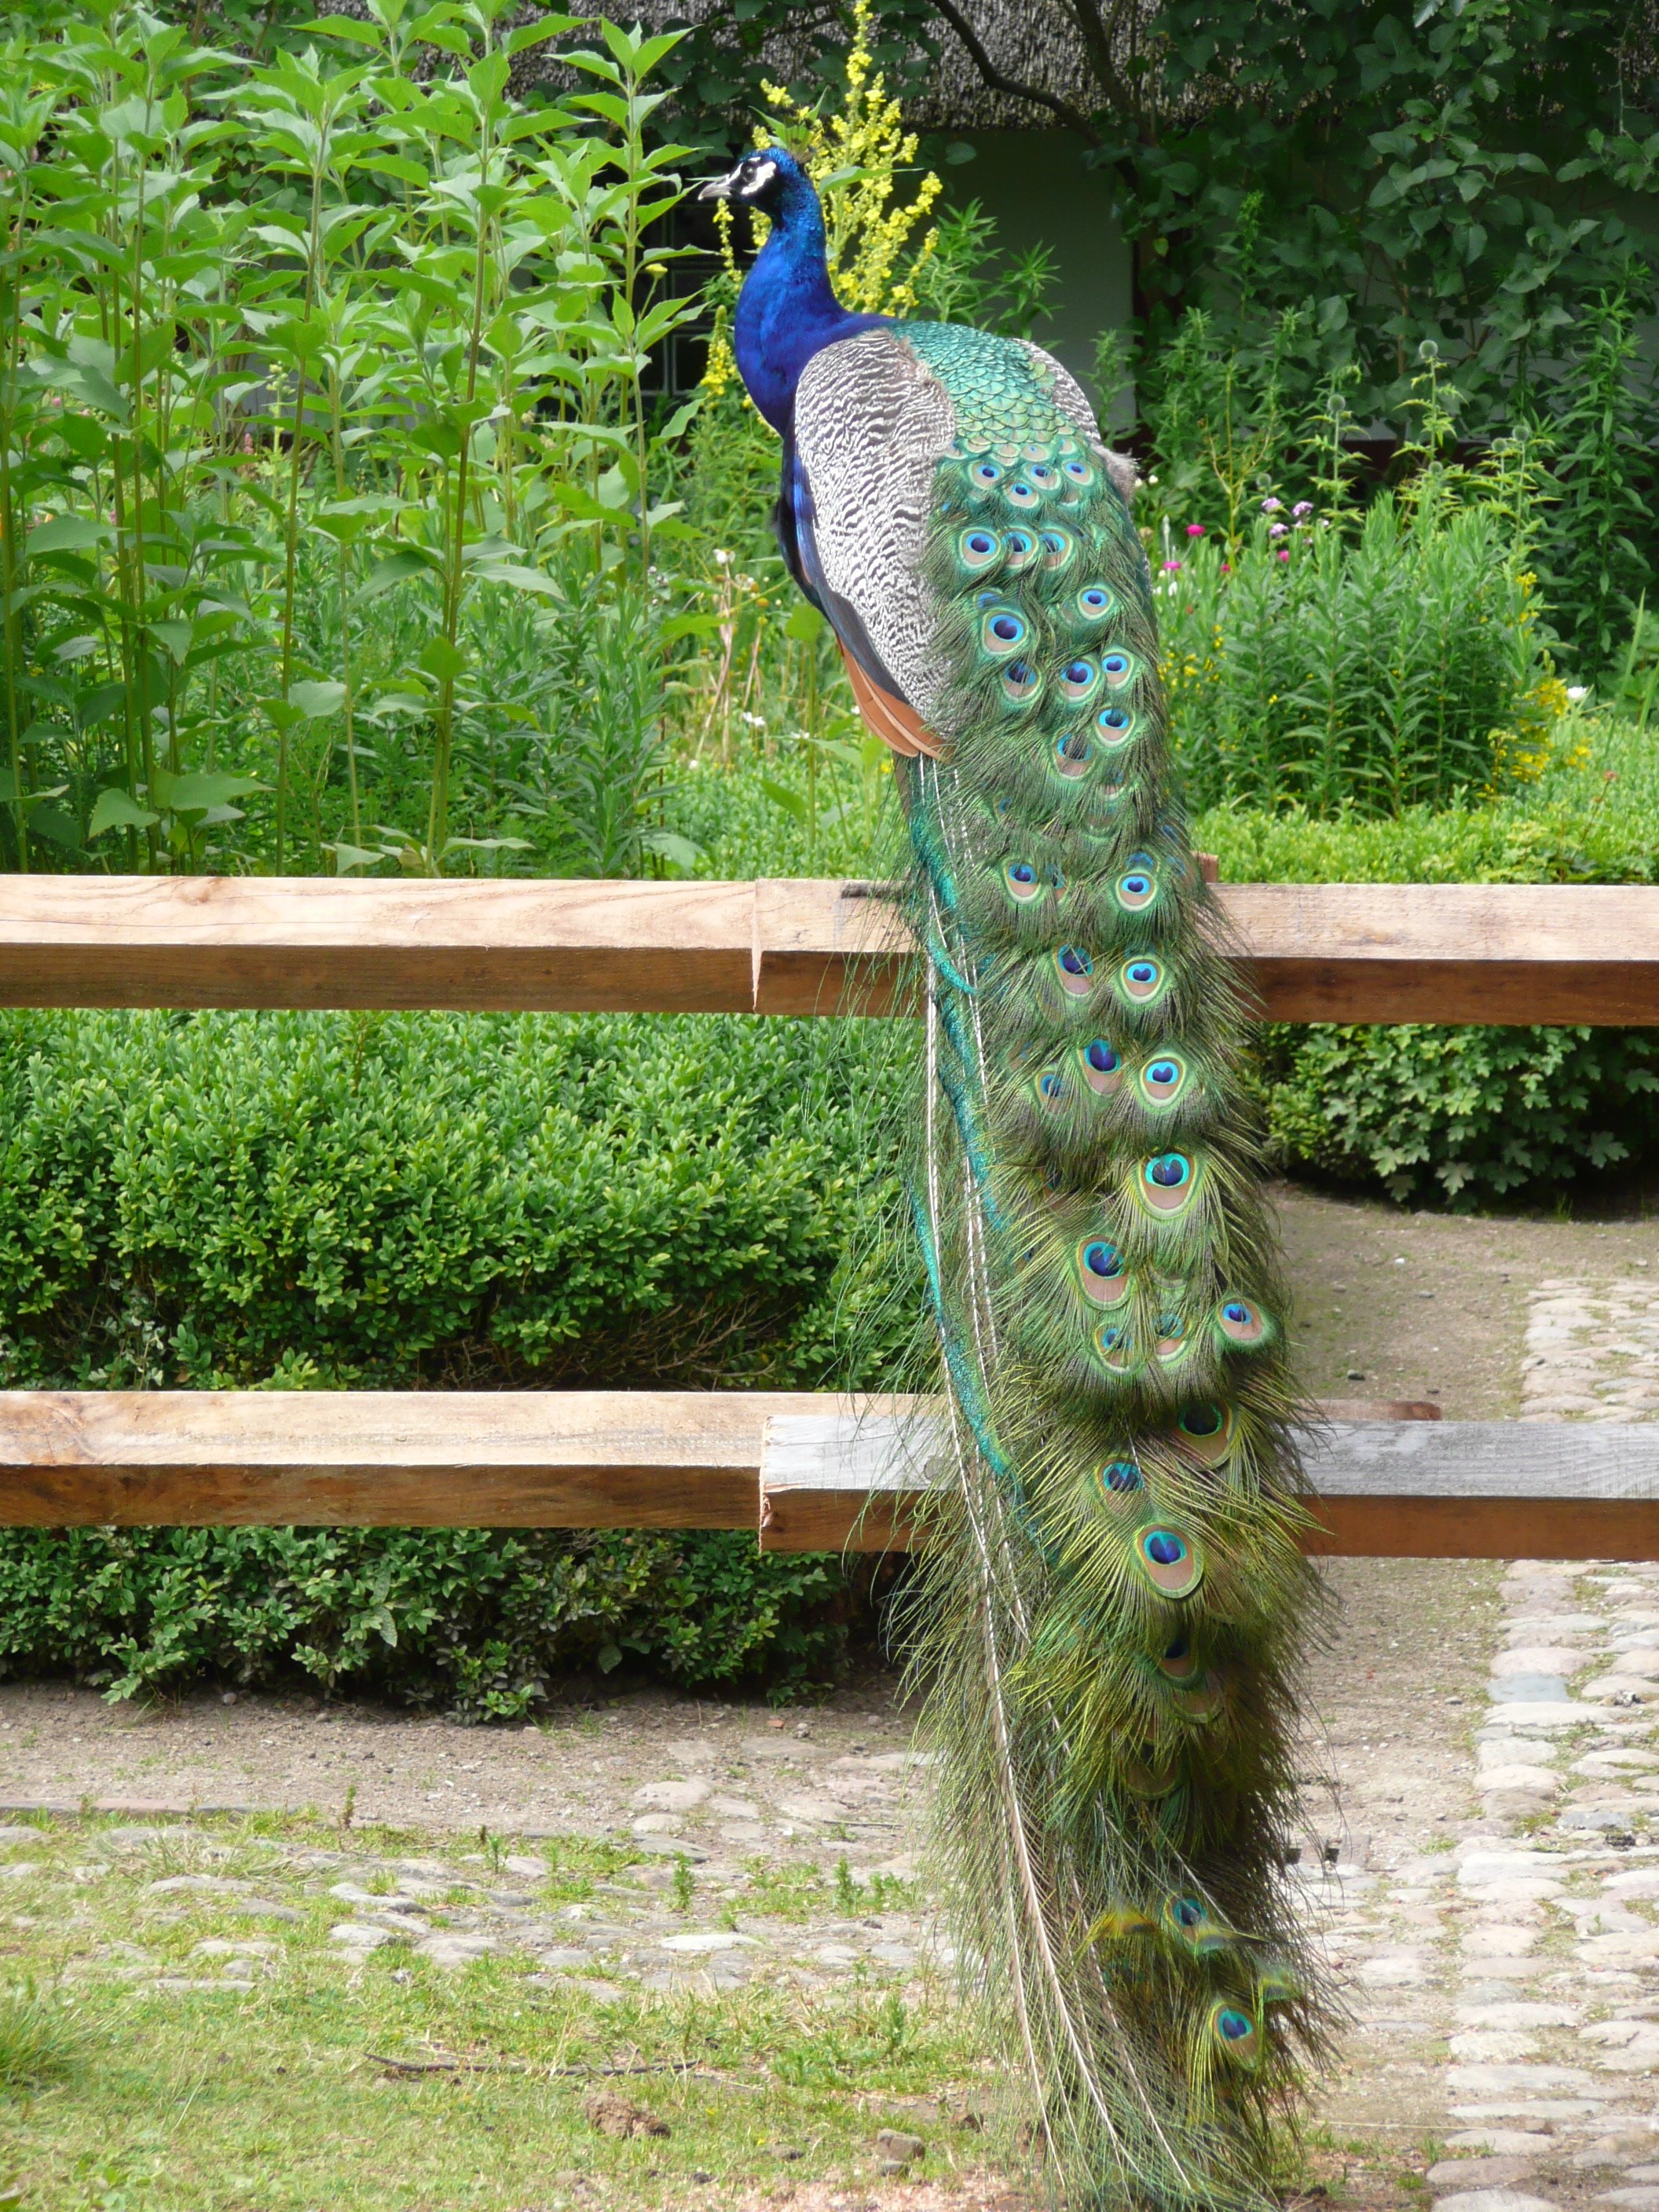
806, 1473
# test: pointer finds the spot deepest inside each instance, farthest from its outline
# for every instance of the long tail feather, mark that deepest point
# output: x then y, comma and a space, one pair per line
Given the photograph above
1112, 1595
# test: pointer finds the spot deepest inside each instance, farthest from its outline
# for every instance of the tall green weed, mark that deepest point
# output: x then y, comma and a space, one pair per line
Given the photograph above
286, 349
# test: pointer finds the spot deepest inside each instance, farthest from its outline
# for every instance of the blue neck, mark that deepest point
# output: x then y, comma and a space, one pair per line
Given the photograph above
787, 311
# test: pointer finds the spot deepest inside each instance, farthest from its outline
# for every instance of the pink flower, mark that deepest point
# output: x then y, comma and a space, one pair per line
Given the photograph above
1171, 568
1303, 507
1272, 506
1285, 554
1279, 530
1195, 530
1227, 568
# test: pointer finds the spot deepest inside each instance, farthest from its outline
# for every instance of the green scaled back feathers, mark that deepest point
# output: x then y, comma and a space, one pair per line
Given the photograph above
1112, 1598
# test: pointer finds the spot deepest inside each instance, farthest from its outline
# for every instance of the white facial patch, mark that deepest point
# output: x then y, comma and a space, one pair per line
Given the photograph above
759, 178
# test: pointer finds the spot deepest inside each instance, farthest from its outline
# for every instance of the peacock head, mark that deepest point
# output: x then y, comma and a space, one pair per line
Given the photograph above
770, 179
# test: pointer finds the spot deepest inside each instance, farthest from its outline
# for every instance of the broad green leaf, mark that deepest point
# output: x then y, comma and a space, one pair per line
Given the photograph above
345, 26
315, 700
396, 568
791, 801
67, 532
115, 811
199, 790
348, 856
668, 845
689, 626
442, 660
806, 625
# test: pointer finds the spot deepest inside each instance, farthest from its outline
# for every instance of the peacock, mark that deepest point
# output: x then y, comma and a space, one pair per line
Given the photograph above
1113, 1600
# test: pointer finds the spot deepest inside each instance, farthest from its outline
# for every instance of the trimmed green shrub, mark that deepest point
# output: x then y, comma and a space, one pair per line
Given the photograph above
480, 1621
306, 1201
303, 1201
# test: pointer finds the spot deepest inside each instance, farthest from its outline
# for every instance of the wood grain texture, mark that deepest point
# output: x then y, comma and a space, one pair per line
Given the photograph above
1404, 1489
521, 1459
1358, 952
223, 941
1448, 952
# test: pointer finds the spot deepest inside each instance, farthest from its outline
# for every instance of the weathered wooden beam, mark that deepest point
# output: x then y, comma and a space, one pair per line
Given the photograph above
252, 941
1353, 952
1307, 952
815, 1473
1382, 1489
430, 1459
1449, 952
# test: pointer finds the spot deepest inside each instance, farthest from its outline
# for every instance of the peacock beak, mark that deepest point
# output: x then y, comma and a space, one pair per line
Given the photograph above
720, 188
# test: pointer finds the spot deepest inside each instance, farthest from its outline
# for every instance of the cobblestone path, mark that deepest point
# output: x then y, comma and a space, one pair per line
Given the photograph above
1592, 1350
1517, 1973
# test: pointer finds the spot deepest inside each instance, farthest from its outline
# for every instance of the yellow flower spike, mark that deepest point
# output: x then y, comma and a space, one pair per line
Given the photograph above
866, 236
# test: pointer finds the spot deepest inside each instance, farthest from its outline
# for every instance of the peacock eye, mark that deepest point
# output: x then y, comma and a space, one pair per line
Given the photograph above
1116, 666
1039, 473
1113, 718
986, 472
1053, 1087
1142, 979
1001, 630
1020, 494
1079, 472
1119, 1474
1169, 1170
1057, 549
979, 548
1135, 891
1103, 1260
1021, 878
1094, 602
1077, 678
1242, 1323
1019, 547
1073, 753
1073, 963
1162, 1078
1104, 1058
1020, 681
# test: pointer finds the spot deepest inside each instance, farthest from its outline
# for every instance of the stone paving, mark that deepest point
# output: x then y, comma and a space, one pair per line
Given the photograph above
1534, 1940
1592, 1350
448, 1911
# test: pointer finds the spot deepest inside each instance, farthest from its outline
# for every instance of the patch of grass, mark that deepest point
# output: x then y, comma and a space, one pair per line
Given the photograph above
41, 2039
273, 2093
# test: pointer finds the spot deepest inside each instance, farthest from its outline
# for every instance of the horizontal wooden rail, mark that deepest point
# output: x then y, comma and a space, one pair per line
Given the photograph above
809, 1472
1382, 1489
417, 1459
1347, 952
